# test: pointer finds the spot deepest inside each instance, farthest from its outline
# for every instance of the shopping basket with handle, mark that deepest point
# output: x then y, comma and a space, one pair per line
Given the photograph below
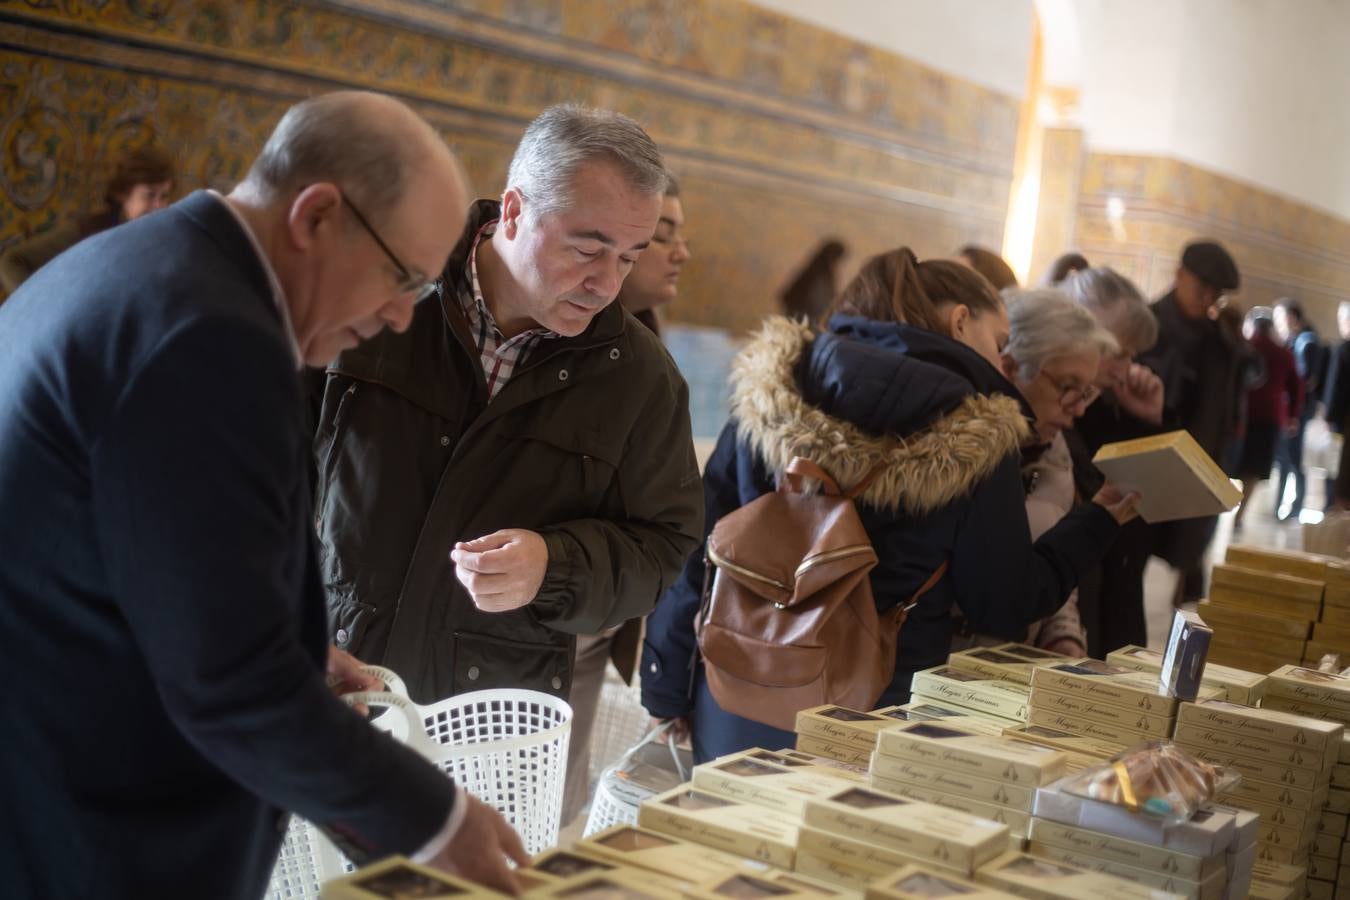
506, 747
652, 765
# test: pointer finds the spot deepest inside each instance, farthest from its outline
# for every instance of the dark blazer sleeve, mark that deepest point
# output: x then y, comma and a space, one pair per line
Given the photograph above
1003, 581
197, 474
1337, 396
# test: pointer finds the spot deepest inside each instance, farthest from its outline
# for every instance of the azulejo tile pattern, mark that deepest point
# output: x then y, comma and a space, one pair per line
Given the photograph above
783, 133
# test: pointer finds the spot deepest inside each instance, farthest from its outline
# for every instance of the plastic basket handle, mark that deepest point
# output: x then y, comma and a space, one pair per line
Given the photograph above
392, 683
403, 720
648, 738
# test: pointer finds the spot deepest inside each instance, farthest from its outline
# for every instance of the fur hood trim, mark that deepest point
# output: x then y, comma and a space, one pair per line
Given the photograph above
924, 472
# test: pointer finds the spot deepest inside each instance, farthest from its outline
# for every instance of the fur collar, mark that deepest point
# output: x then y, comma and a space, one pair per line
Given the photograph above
924, 472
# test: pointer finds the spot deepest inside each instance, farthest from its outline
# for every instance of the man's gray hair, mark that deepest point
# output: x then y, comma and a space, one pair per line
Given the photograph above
1116, 303
1045, 323
330, 138
564, 138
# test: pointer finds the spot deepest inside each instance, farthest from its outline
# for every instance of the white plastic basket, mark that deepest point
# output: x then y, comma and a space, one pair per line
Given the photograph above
620, 722
506, 747
647, 769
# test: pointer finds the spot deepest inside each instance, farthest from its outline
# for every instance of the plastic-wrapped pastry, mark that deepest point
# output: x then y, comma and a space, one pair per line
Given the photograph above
1157, 779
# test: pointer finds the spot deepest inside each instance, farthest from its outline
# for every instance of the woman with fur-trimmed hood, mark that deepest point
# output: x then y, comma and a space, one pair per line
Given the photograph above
906, 372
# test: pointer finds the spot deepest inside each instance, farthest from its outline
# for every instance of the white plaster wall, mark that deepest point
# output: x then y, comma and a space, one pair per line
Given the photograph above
987, 42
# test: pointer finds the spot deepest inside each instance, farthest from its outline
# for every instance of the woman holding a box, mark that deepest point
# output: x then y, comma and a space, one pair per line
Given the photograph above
905, 373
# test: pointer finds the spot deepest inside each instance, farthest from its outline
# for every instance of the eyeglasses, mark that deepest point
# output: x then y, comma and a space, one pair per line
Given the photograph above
1071, 393
419, 288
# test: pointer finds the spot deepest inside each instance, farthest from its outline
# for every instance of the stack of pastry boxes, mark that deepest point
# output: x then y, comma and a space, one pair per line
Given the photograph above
1110, 704
1306, 693
992, 683
1269, 608
1211, 855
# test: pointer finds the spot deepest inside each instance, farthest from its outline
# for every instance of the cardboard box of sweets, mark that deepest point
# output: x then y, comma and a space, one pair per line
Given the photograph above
1220, 741
1195, 485
1270, 584
741, 829
1212, 888
854, 880
1231, 595
801, 761
1290, 562
1253, 769
642, 848
991, 662
1305, 685
1006, 699
1067, 741
937, 743
751, 887
925, 709
1077, 706
1106, 684
845, 753
1027, 876
929, 833
1132, 853
398, 876
840, 725
937, 777
1239, 686
557, 864
741, 777
1227, 619
1016, 820
865, 856
919, 882
1097, 731
1261, 724
1292, 877
616, 884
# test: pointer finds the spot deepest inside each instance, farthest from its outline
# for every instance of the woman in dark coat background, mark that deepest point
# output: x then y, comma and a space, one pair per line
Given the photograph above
905, 374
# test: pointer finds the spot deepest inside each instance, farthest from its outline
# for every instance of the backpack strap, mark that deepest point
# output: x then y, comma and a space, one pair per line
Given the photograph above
800, 467
901, 611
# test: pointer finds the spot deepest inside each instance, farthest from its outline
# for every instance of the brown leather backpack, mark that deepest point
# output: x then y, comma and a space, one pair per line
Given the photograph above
788, 619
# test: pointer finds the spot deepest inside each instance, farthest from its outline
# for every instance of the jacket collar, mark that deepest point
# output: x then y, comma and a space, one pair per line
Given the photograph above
925, 469
210, 215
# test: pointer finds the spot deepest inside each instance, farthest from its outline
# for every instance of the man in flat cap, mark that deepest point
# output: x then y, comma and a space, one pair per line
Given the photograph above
1198, 357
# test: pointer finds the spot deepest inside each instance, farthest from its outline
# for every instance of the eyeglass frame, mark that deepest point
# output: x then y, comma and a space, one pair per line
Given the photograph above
1087, 393
419, 288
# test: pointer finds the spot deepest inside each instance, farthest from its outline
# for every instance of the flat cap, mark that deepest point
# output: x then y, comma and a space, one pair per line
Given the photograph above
1212, 264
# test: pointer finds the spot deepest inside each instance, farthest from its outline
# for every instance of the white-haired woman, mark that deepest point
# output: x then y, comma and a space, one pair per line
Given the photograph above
1111, 600
1054, 353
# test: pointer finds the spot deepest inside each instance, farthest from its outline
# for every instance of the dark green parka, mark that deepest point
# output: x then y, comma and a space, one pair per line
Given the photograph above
588, 444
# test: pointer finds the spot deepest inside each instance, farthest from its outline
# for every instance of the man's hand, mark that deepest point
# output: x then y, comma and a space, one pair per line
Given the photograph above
503, 570
679, 728
1140, 393
345, 676
1122, 507
481, 847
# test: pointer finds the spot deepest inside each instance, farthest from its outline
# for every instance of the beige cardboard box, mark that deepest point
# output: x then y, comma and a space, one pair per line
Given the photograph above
938, 744
630, 884
1225, 618
393, 876
1338, 800
1195, 485
642, 848
1332, 823
1131, 853
1307, 710
1327, 845
1027, 876
1263, 891
853, 879
1306, 611
1220, 652
1292, 877
802, 761
870, 856
1210, 889
1254, 769
1102, 734
940, 778
1106, 684
919, 882
1261, 724
1321, 890
1067, 741
557, 864
1298, 563
765, 784
845, 753
749, 887
1218, 740
929, 833
1284, 855
1005, 699
1078, 706
1245, 792
841, 725
1271, 584
741, 829
1239, 686
1016, 820
1304, 685
1323, 867
1291, 838
990, 663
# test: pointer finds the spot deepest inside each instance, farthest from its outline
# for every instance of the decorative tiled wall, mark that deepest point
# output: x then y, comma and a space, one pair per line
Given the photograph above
1282, 247
782, 133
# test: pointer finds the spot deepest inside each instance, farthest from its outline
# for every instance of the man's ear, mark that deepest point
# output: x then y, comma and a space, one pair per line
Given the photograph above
513, 213
313, 212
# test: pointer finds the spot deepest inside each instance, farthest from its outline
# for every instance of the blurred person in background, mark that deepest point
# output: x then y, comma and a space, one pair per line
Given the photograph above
1063, 267
814, 287
1311, 357
1337, 407
993, 267
141, 183
1274, 406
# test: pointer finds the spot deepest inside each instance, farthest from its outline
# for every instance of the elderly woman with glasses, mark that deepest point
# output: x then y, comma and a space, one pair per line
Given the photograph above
1053, 356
